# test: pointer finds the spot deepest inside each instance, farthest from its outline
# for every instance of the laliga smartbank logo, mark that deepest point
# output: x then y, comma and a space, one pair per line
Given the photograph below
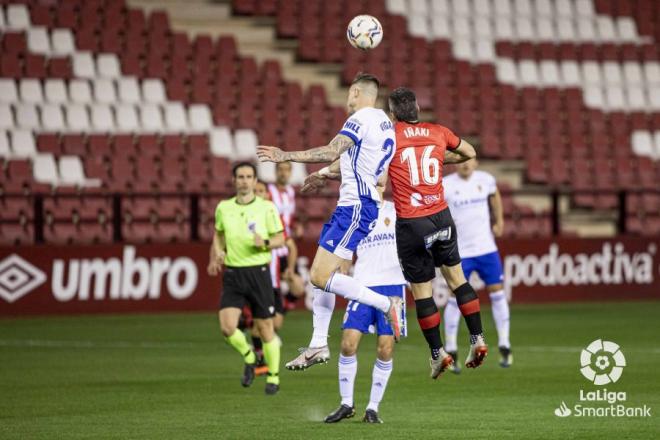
602, 363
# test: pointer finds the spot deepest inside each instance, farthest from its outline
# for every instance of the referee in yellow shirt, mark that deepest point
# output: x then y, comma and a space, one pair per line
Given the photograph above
247, 227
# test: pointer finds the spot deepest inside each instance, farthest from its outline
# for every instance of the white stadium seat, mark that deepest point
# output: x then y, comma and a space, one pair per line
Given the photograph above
18, 17
107, 65
460, 8
440, 27
545, 29
591, 73
440, 8
153, 91
151, 118
636, 99
396, 7
83, 65
529, 73
62, 42
566, 30
482, 8
615, 99
175, 117
38, 40
30, 91
102, 118
462, 49
505, 71
656, 141
199, 117
612, 73
104, 91
80, 91
482, 29
52, 118
6, 116
593, 97
485, 51
129, 90
71, 172
652, 72
298, 173
5, 151
44, 169
418, 7
8, 90
23, 145
584, 8
55, 91
543, 9
77, 118
266, 171
27, 116
563, 9
654, 98
502, 8
549, 73
605, 28
461, 28
503, 29
525, 29
522, 8
642, 144
127, 118
245, 144
222, 143
586, 30
626, 29
632, 73
418, 26
570, 73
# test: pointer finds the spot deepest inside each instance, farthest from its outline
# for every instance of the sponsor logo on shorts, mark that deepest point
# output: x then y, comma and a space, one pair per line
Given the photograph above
441, 235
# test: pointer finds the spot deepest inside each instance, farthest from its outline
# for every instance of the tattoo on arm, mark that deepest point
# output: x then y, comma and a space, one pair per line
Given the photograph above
327, 153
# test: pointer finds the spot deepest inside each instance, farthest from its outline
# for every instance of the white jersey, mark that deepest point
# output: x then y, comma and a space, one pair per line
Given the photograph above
364, 162
285, 202
377, 260
470, 209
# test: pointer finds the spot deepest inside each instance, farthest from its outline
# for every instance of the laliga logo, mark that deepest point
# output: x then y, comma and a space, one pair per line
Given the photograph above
602, 362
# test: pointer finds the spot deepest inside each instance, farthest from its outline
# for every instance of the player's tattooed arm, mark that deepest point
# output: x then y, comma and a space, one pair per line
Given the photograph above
463, 153
326, 153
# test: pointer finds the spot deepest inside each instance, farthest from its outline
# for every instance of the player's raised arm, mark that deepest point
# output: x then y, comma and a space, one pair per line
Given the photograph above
326, 153
497, 211
464, 152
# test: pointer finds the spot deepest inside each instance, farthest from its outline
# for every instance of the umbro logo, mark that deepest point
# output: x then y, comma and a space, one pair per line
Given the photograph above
18, 278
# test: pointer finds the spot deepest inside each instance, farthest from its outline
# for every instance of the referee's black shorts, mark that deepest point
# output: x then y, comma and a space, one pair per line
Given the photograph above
424, 243
249, 284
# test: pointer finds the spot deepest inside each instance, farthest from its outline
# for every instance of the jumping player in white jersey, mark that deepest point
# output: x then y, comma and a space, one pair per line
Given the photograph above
363, 149
476, 207
377, 250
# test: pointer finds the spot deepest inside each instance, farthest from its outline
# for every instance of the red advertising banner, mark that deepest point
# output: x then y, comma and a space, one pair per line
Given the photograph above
172, 277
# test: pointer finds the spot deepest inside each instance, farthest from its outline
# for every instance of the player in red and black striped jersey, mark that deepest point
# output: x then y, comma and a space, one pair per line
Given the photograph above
425, 231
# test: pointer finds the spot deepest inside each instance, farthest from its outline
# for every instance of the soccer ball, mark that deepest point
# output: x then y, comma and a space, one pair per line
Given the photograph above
364, 32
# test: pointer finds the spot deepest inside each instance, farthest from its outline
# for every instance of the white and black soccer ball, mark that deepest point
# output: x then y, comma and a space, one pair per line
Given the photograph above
364, 32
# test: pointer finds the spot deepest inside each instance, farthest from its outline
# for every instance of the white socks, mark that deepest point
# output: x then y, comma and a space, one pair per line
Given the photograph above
353, 290
380, 376
347, 372
322, 307
500, 308
452, 318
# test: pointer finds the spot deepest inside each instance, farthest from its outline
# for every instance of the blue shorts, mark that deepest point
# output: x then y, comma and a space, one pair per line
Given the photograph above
489, 268
367, 319
348, 226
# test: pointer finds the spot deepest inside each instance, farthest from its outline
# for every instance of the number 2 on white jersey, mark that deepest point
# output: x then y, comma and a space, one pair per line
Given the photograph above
430, 165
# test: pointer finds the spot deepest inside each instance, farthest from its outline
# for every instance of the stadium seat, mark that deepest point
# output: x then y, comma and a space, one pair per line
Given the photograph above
8, 91
222, 144
80, 91
55, 91
62, 42
45, 169
83, 65
77, 118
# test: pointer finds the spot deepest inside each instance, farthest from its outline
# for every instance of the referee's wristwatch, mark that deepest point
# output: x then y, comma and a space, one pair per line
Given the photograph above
267, 243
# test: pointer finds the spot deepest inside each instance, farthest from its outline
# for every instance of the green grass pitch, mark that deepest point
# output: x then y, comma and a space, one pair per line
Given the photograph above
172, 376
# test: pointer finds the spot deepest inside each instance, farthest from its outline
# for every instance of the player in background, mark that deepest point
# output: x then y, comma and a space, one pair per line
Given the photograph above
276, 278
473, 198
364, 147
425, 232
283, 195
378, 267
247, 228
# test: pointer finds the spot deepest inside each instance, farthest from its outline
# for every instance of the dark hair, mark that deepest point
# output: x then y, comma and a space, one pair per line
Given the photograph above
241, 165
277, 165
262, 182
363, 77
403, 104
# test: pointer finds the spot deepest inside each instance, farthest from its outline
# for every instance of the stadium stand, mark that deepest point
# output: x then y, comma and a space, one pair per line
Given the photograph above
101, 100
